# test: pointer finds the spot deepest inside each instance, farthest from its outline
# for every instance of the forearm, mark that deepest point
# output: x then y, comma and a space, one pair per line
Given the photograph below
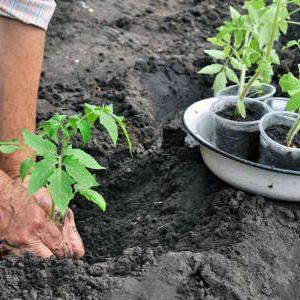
21, 54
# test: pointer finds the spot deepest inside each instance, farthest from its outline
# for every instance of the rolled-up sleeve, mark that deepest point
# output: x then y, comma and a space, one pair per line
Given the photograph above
34, 12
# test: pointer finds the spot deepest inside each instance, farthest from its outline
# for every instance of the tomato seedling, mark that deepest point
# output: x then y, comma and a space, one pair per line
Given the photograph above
62, 169
246, 46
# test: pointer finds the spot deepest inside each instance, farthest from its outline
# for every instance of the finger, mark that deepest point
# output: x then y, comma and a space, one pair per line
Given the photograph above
71, 235
51, 237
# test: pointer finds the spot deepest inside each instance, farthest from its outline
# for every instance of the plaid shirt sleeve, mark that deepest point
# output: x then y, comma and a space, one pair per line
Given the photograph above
34, 12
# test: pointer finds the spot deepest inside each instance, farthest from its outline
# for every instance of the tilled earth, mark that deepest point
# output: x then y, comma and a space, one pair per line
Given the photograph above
172, 230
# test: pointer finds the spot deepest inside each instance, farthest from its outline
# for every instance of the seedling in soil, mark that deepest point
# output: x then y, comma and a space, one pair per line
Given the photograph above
246, 46
62, 169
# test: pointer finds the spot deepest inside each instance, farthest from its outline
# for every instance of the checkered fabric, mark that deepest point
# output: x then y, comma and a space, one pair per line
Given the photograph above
34, 12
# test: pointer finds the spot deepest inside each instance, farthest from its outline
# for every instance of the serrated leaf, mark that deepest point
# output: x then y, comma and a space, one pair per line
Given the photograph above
109, 123
95, 198
39, 176
231, 75
60, 188
8, 149
79, 173
85, 131
218, 54
220, 82
84, 158
42, 146
211, 69
25, 167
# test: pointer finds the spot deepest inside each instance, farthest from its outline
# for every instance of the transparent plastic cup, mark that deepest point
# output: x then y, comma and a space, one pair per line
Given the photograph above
237, 138
261, 93
272, 153
277, 103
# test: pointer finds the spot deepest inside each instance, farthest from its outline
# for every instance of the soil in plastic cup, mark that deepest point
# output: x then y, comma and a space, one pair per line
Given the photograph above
274, 153
239, 138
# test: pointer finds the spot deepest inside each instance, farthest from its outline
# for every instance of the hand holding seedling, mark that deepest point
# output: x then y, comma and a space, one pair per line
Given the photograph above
26, 227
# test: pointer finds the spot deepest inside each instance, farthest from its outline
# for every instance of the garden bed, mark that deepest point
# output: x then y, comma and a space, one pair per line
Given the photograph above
172, 229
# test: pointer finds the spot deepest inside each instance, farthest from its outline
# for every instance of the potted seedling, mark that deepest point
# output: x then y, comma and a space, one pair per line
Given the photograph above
247, 47
280, 138
61, 168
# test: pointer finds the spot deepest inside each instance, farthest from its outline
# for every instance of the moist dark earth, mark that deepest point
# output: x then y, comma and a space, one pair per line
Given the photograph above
172, 230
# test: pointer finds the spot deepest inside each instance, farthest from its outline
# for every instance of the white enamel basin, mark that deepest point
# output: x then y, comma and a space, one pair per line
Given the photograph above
245, 175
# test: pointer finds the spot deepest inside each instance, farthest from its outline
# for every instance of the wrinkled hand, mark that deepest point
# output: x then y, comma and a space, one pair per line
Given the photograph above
70, 234
25, 225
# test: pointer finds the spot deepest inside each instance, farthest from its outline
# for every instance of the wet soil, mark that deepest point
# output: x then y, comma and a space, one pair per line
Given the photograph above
172, 230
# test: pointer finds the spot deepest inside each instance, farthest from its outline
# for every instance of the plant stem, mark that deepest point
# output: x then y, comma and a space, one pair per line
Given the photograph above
293, 132
52, 211
268, 52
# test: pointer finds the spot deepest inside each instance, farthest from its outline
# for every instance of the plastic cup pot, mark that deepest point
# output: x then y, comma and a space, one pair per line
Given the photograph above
261, 92
237, 136
273, 151
277, 103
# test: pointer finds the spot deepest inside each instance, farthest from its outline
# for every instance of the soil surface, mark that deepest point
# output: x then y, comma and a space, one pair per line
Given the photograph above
279, 134
172, 230
230, 113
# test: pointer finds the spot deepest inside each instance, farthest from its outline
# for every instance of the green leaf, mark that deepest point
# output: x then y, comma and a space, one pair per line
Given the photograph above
91, 113
218, 54
60, 188
211, 69
236, 64
84, 158
7, 149
42, 146
234, 13
25, 167
10, 142
94, 197
109, 123
85, 131
290, 84
79, 173
39, 176
231, 75
220, 82
294, 103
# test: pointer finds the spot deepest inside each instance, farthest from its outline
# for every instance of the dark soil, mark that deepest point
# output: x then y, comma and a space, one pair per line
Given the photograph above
172, 230
230, 113
279, 134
